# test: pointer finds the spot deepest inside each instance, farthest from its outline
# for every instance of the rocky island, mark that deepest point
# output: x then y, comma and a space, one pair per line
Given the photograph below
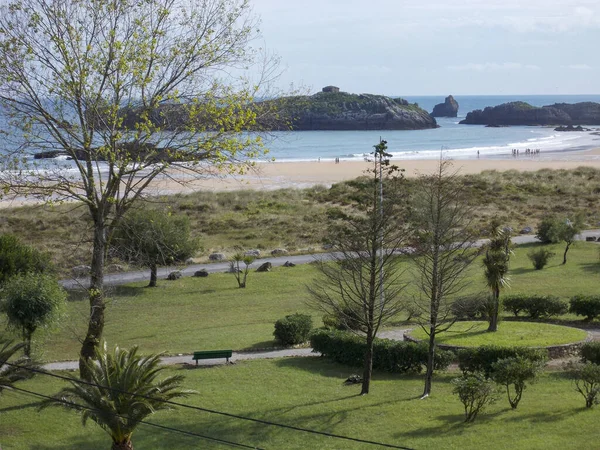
447, 109
522, 113
335, 110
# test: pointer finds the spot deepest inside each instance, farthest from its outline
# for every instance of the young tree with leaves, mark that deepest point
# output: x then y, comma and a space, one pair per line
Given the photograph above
13, 368
443, 223
152, 238
361, 284
17, 258
241, 274
496, 263
129, 91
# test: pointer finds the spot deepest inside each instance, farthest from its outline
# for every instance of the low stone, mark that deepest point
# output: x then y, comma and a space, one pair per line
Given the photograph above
81, 271
189, 261
115, 268
253, 252
289, 264
216, 257
354, 379
266, 267
526, 230
174, 275
201, 273
590, 238
279, 252
327, 246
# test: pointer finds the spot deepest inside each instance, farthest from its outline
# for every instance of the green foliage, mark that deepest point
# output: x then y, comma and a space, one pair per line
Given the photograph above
590, 352
549, 230
475, 392
293, 329
482, 359
388, 355
18, 258
586, 378
31, 301
585, 305
535, 306
107, 399
241, 275
516, 371
10, 374
346, 318
540, 257
470, 307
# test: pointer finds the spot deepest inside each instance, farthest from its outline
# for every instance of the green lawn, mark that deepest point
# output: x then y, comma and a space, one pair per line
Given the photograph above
308, 392
527, 334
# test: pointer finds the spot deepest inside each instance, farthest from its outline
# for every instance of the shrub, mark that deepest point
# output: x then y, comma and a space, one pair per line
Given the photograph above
293, 329
346, 319
391, 356
590, 352
471, 307
475, 392
481, 359
535, 306
540, 257
585, 305
515, 371
586, 377
548, 230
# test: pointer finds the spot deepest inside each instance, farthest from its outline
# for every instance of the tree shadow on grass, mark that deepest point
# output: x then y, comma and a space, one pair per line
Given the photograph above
454, 423
19, 407
591, 268
269, 345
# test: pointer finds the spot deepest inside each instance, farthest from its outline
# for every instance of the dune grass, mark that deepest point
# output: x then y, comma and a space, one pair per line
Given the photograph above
309, 393
526, 334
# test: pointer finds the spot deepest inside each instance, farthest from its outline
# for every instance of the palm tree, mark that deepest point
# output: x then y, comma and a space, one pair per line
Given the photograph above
496, 263
10, 374
134, 393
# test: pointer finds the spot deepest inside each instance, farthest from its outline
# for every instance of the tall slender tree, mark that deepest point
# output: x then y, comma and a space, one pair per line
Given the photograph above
362, 283
445, 236
496, 263
130, 92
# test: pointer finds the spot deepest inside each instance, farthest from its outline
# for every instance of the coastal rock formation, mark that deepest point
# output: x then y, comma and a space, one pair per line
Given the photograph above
333, 110
447, 109
521, 113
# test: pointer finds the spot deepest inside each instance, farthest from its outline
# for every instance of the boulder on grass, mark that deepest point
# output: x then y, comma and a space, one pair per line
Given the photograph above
202, 273
590, 238
217, 257
254, 252
266, 267
526, 230
81, 271
279, 252
111, 268
174, 276
289, 264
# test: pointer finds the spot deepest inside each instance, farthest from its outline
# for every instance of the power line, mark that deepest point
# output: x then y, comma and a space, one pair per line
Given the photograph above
162, 427
212, 411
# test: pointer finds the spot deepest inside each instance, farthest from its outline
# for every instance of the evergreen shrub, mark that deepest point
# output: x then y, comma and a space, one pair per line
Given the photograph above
481, 359
535, 306
293, 329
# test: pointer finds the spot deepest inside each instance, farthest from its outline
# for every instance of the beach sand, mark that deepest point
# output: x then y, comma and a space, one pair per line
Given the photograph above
276, 175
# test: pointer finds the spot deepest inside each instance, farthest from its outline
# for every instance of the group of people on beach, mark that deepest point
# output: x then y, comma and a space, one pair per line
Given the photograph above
528, 151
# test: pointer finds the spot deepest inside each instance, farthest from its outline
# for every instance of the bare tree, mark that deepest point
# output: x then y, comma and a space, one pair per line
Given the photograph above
130, 92
445, 237
362, 285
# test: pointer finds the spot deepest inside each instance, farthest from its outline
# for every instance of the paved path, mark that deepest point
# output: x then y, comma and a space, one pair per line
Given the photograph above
143, 275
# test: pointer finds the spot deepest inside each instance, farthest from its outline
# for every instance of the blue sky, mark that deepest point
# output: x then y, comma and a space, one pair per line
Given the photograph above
436, 47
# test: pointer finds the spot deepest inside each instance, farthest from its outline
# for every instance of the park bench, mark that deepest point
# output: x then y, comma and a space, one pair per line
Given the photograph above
212, 354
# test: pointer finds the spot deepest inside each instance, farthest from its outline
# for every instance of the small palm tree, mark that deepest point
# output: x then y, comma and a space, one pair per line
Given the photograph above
10, 374
134, 393
496, 265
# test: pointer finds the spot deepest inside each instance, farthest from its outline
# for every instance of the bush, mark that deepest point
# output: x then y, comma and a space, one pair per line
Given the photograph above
481, 359
475, 392
391, 356
293, 329
586, 377
535, 306
590, 352
515, 371
471, 307
540, 257
548, 230
346, 319
585, 305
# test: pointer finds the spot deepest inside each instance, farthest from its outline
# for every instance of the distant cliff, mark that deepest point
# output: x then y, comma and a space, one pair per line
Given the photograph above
333, 110
521, 113
447, 109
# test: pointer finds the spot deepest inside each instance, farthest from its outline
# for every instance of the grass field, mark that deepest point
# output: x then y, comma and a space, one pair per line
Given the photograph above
308, 392
527, 334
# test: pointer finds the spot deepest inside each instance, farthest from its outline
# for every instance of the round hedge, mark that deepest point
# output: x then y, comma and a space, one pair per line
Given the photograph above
526, 334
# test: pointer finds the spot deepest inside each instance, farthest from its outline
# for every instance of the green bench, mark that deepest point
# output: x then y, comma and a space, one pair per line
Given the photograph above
212, 354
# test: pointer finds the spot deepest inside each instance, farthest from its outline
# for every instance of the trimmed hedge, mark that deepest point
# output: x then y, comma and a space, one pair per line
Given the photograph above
391, 356
481, 359
293, 329
590, 352
585, 305
471, 307
535, 306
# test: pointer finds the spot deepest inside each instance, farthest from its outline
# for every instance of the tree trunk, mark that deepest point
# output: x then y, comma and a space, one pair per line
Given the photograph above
125, 445
565, 254
430, 362
27, 342
153, 276
368, 364
96, 297
495, 311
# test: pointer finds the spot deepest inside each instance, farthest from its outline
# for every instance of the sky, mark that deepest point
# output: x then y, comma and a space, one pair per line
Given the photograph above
436, 47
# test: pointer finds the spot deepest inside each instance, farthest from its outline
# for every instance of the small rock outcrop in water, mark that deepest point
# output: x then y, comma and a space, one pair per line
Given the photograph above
447, 109
572, 128
334, 110
521, 113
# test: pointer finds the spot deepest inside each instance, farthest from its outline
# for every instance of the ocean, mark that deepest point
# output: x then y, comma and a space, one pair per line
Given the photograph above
453, 140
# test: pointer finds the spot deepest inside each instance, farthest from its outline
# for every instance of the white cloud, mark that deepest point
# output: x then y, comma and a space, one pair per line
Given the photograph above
492, 67
578, 67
